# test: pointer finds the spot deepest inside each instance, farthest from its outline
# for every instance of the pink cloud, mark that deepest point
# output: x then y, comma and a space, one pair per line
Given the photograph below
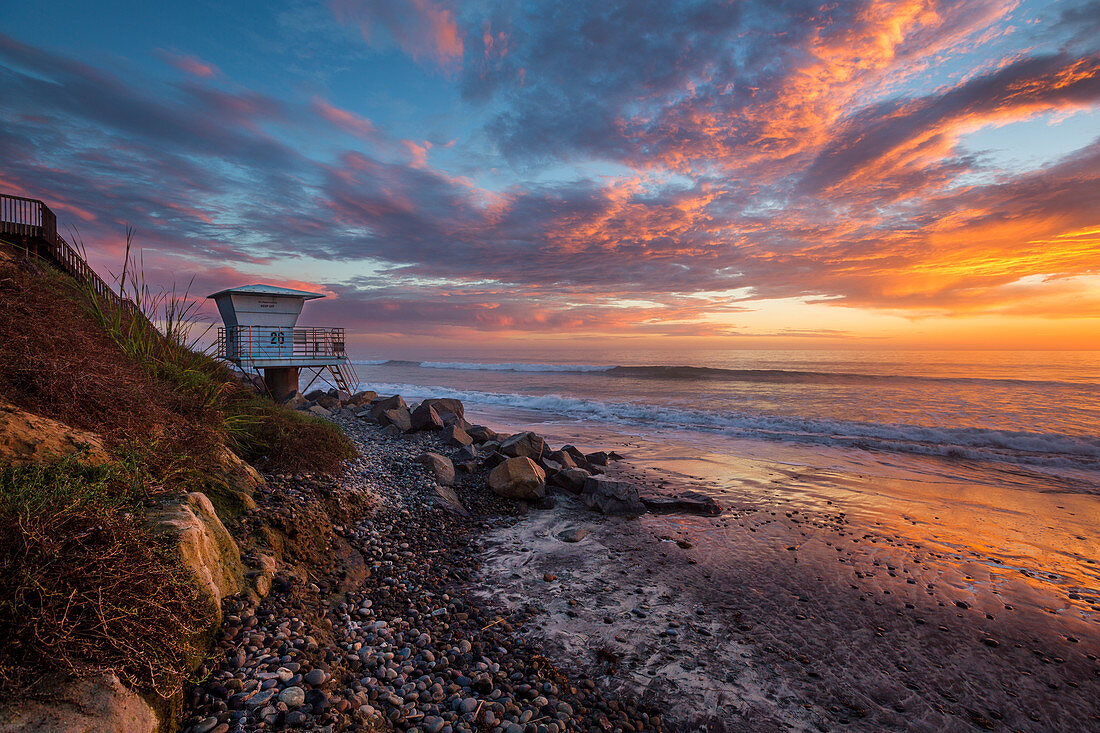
420, 28
343, 119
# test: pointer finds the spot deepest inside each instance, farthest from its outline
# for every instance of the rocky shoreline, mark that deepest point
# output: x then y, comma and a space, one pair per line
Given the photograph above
377, 623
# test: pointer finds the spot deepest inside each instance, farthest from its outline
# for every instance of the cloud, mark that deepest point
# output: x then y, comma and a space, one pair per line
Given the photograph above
424, 29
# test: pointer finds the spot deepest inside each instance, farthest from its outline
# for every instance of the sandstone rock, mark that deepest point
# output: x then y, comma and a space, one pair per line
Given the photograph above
441, 468
465, 453
29, 438
446, 404
364, 397
454, 435
685, 502
205, 548
424, 417
563, 459
380, 405
599, 458
446, 497
482, 434
518, 478
612, 497
571, 479
100, 704
523, 444
397, 416
240, 482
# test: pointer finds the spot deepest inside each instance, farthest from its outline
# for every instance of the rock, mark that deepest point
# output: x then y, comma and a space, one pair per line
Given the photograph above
612, 497
319, 411
599, 458
577, 456
573, 534
380, 405
29, 438
446, 404
314, 394
446, 497
100, 704
293, 696
205, 548
398, 416
492, 459
264, 576
440, 467
466, 466
482, 434
205, 725
392, 431
364, 397
294, 400
315, 677
562, 458
685, 502
241, 481
329, 402
571, 479
465, 453
614, 456
424, 417
547, 502
518, 478
523, 444
454, 435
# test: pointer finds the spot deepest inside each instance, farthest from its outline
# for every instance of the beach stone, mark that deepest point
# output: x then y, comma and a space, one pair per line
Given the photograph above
612, 497
447, 497
523, 444
518, 478
685, 502
380, 405
293, 696
315, 677
454, 435
432, 723
571, 479
424, 417
440, 467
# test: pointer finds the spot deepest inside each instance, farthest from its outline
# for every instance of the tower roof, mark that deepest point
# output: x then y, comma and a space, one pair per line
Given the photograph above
269, 290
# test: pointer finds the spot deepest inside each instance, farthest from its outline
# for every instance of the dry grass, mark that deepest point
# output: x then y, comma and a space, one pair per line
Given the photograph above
83, 586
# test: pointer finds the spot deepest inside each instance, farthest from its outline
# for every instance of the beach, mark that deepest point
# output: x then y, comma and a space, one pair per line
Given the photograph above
826, 595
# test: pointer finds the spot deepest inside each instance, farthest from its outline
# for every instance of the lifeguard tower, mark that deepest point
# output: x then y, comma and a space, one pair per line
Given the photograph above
260, 333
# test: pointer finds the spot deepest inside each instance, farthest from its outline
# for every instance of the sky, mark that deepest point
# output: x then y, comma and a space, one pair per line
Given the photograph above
561, 175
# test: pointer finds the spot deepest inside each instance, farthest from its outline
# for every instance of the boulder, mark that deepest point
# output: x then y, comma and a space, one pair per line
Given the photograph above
492, 459
364, 397
599, 458
341, 396
313, 394
205, 548
439, 466
518, 478
329, 402
454, 435
319, 411
392, 431
397, 416
380, 405
684, 502
563, 459
294, 400
612, 497
466, 466
577, 456
424, 417
482, 434
571, 479
446, 497
446, 404
465, 453
99, 704
29, 438
523, 445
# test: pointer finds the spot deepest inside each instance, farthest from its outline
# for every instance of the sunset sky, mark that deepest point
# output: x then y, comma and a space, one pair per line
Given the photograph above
552, 174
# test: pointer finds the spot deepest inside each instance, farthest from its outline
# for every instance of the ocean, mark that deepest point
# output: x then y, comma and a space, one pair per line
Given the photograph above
1034, 413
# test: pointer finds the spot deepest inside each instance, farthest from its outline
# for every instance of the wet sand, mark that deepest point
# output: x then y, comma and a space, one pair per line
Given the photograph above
823, 597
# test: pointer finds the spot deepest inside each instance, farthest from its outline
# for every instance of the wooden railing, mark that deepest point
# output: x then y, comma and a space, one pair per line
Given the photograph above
33, 222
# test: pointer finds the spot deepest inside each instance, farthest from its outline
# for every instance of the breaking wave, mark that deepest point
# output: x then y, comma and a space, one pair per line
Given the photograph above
772, 376
1036, 449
